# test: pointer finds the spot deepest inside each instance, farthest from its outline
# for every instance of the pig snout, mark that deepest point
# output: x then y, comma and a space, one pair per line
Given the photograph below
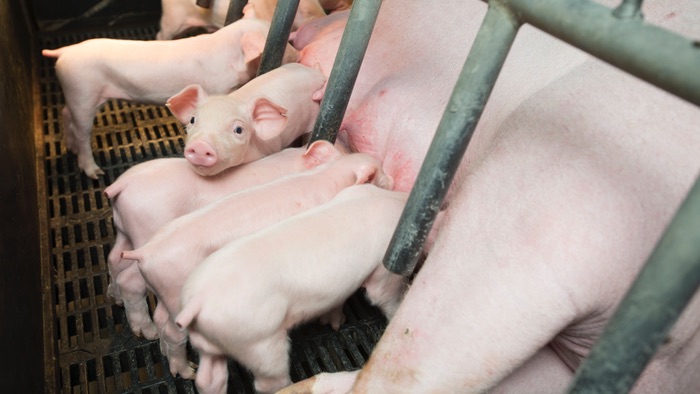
201, 154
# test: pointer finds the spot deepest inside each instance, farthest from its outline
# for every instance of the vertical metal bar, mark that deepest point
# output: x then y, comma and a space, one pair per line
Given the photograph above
346, 66
462, 113
278, 37
235, 11
645, 316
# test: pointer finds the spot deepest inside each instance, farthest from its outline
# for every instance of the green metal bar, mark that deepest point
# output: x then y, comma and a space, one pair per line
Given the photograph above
459, 120
235, 11
346, 66
278, 37
645, 316
658, 56
629, 9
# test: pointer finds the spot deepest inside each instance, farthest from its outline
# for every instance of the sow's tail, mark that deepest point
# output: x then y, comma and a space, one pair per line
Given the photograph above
53, 53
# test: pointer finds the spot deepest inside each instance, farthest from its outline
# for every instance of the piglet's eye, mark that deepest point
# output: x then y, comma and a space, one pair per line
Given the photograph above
238, 130
192, 120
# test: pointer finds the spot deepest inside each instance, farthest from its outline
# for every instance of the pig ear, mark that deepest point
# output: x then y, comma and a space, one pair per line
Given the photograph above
269, 118
183, 104
366, 173
319, 152
252, 45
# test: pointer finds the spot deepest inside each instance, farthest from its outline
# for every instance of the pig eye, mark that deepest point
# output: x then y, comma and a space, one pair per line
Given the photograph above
192, 120
238, 130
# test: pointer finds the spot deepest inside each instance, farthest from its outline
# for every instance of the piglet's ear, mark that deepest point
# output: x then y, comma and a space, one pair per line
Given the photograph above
252, 45
184, 104
365, 173
319, 152
269, 118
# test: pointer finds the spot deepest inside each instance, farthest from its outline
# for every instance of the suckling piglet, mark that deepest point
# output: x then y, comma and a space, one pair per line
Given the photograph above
155, 192
242, 299
167, 259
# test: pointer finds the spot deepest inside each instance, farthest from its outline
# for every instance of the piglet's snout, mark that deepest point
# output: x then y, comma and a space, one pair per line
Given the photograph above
200, 153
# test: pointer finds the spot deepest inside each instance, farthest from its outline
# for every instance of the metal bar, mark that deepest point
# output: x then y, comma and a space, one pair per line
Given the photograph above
278, 37
645, 316
459, 120
660, 57
346, 66
629, 9
235, 11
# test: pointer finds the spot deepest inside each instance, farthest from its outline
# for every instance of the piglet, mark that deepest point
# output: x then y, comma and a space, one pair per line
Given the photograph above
167, 259
93, 71
262, 117
153, 193
242, 300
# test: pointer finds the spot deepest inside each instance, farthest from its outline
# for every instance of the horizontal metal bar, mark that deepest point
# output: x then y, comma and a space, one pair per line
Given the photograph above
658, 56
454, 132
645, 316
346, 66
278, 37
235, 11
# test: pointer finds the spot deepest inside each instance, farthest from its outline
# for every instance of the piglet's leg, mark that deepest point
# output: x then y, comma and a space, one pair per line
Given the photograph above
268, 359
212, 377
78, 129
116, 265
133, 289
68, 133
173, 343
335, 317
385, 289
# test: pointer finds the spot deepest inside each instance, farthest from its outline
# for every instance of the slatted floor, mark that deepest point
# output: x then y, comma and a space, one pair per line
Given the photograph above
97, 351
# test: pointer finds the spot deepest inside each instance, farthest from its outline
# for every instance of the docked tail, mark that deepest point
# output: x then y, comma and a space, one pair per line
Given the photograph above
132, 255
189, 312
115, 188
53, 53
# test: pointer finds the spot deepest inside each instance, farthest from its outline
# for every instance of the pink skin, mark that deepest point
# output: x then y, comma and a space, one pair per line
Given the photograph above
572, 175
262, 117
242, 300
151, 194
167, 259
94, 71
